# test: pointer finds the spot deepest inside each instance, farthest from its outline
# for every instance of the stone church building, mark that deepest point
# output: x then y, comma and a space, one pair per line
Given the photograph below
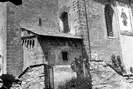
55, 32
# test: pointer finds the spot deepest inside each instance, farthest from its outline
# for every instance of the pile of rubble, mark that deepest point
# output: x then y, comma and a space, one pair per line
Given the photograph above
105, 77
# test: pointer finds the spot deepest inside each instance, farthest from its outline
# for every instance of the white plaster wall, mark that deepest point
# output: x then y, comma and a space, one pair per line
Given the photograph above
62, 73
3, 25
127, 51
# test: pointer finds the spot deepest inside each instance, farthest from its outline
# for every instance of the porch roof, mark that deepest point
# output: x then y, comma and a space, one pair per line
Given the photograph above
41, 31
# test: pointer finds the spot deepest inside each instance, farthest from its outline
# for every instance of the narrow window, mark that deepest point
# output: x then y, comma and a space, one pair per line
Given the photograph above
65, 56
64, 19
33, 43
40, 22
30, 43
109, 17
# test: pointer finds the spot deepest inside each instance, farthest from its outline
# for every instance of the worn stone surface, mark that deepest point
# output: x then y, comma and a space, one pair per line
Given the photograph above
72, 8
33, 78
3, 37
91, 25
14, 47
28, 14
32, 52
104, 77
30, 11
100, 43
53, 48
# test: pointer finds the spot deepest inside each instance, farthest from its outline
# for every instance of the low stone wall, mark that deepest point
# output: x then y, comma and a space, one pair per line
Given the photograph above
35, 77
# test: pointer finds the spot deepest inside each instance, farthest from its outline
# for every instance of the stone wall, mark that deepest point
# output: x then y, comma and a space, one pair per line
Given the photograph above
44, 13
32, 52
100, 43
3, 27
14, 47
48, 12
97, 44
30, 11
49, 50
72, 8
54, 46
37, 77
90, 23
27, 14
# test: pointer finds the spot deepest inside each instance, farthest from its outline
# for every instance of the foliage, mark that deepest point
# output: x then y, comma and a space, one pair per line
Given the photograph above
8, 80
77, 66
77, 83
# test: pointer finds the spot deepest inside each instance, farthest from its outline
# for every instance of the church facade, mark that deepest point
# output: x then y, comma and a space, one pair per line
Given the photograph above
55, 32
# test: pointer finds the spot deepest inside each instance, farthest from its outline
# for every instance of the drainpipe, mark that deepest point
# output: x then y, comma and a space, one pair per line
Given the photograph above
86, 17
88, 34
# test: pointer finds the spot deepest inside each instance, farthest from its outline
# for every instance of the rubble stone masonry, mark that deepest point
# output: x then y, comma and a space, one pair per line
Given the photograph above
86, 18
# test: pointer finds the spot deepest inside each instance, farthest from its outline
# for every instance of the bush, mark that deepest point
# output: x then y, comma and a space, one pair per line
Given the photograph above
8, 80
77, 83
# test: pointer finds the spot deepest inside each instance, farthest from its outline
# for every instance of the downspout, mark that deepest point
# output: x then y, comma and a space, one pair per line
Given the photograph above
88, 34
86, 17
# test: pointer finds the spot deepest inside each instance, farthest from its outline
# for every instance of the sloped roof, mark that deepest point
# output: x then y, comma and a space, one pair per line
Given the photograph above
41, 31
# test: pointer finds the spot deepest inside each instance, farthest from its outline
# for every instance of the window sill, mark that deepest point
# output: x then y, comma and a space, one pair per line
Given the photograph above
110, 37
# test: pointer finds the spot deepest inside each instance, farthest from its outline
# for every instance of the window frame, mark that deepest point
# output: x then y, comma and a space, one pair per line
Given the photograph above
107, 19
64, 17
65, 56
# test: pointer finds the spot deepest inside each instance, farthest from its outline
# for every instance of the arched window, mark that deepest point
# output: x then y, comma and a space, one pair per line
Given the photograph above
64, 19
109, 17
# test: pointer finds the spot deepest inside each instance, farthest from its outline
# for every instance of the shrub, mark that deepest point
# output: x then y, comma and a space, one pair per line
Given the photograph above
77, 83
8, 80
